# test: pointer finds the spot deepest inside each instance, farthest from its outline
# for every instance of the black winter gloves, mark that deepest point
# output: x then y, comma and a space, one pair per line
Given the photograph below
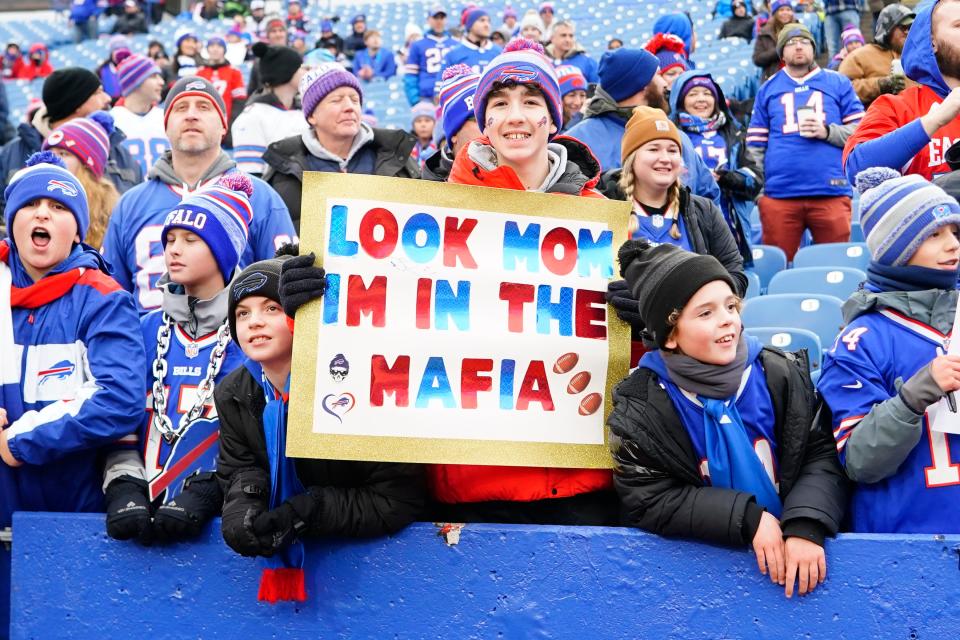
279, 527
619, 297
300, 282
184, 516
128, 510
246, 499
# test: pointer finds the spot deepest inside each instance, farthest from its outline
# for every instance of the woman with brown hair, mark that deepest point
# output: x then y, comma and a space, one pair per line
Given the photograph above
84, 146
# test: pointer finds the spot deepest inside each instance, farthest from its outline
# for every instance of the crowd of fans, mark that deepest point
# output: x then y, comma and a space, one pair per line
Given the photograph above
152, 207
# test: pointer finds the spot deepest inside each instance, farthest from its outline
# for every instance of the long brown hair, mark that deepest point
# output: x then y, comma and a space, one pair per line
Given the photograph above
628, 185
102, 197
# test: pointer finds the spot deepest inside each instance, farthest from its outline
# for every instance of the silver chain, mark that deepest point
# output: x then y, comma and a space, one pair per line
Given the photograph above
161, 421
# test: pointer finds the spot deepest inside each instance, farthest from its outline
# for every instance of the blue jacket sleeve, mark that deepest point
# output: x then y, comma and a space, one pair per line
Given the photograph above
411, 86
389, 66
108, 405
894, 150
271, 227
113, 248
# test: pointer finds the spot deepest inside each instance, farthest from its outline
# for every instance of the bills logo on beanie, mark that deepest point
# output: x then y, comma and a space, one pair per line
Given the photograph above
86, 138
899, 212
571, 78
220, 215
522, 62
258, 279
45, 176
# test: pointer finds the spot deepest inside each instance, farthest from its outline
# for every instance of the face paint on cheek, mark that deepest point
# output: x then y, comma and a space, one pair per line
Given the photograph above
490, 121
543, 122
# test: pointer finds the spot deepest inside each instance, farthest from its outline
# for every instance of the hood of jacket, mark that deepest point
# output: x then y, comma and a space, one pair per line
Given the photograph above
580, 171
363, 138
935, 307
602, 103
919, 60
163, 171
196, 317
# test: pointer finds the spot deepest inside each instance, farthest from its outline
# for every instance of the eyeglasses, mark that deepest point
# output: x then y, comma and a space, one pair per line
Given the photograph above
796, 42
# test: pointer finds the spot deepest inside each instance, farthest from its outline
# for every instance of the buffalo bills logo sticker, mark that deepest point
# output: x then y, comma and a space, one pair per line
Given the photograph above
338, 405
249, 284
65, 187
60, 371
195, 85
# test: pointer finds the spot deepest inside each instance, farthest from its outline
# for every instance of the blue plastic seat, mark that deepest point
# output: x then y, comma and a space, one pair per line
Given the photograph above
768, 260
834, 254
753, 285
791, 340
820, 314
839, 282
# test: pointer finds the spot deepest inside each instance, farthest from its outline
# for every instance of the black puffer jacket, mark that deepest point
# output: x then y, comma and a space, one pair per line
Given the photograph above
356, 499
708, 230
657, 475
286, 161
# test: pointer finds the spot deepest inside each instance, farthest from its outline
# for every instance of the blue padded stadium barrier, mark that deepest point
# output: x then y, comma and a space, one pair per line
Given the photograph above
70, 581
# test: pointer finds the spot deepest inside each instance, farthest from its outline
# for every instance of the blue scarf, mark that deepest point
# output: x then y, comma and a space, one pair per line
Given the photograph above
884, 278
284, 483
696, 124
731, 458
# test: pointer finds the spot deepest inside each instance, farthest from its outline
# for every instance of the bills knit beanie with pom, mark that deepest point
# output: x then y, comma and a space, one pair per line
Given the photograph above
471, 15
86, 138
220, 215
899, 212
522, 62
45, 176
457, 89
663, 278
133, 69
321, 80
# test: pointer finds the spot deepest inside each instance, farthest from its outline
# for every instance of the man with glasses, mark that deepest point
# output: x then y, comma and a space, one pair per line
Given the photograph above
875, 69
912, 131
801, 117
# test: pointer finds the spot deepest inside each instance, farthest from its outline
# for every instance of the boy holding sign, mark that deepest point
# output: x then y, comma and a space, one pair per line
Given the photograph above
518, 109
887, 372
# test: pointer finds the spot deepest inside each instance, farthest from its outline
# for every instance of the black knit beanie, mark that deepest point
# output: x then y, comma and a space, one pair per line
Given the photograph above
277, 64
66, 89
259, 279
663, 278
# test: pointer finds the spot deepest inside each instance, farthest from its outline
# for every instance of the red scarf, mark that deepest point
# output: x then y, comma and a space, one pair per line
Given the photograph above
43, 292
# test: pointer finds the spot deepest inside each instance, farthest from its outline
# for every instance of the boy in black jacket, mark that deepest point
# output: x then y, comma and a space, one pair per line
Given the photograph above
272, 500
712, 433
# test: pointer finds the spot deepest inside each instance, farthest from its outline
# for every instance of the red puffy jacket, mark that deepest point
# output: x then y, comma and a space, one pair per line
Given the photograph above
459, 483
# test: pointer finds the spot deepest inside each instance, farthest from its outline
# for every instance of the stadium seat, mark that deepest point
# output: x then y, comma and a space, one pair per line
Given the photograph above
833, 254
791, 340
768, 260
818, 313
839, 282
753, 285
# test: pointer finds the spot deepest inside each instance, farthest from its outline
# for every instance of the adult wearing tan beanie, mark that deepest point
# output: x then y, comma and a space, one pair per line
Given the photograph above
664, 210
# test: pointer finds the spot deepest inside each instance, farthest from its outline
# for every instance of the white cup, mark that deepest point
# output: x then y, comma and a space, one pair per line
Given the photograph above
896, 67
806, 115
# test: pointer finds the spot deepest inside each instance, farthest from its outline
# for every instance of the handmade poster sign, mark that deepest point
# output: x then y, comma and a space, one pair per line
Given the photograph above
459, 325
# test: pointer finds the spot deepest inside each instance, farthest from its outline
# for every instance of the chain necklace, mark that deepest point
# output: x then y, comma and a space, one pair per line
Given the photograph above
161, 421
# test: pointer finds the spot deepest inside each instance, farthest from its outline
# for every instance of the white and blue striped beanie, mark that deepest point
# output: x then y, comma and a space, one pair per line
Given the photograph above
898, 213
221, 215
